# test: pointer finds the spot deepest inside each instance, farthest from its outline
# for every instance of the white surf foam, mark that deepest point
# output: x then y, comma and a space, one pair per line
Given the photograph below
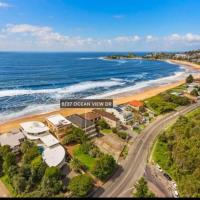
84, 58
143, 84
66, 90
30, 110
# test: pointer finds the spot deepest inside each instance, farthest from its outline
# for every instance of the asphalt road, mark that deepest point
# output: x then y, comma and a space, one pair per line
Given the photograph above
122, 182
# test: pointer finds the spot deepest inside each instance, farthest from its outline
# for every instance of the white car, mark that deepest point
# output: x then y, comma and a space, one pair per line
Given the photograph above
159, 168
176, 194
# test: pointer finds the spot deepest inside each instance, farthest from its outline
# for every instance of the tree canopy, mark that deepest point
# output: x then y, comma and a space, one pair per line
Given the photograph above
142, 190
80, 185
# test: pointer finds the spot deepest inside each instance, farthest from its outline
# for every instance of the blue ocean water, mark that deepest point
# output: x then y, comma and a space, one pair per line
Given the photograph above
34, 82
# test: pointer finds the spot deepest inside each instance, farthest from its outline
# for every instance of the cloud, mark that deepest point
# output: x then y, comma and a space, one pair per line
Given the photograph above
46, 34
189, 37
44, 38
4, 5
123, 39
150, 38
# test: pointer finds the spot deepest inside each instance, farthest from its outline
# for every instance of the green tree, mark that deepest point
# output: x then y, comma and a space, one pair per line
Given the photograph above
30, 154
12, 171
103, 124
51, 182
19, 184
76, 135
26, 145
38, 167
189, 79
194, 93
104, 167
142, 190
80, 185
1, 165
76, 165
9, 160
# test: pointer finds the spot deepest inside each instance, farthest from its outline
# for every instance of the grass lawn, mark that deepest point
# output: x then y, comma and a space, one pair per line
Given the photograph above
160, 155
4, 179
106, 131
178, 88
85, 159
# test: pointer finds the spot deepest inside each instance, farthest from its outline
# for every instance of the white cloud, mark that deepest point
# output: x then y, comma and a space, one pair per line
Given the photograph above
30, 37
46, 34
123, 39
150, 38
189, 37
4, 5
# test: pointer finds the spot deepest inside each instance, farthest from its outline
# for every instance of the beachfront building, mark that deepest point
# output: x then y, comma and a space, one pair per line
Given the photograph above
87, 126
52, 152
124, 116
112, 121
13, 140
58, 125
136, 105
91, 116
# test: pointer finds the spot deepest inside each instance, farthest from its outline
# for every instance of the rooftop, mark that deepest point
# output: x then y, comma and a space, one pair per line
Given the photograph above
49, 140
58, 120
53, 156
136, 103
34, 127
106, 114
79, 121
90, 116
11, 139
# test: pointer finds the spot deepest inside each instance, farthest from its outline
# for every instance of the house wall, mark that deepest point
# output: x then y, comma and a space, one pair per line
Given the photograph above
59, 131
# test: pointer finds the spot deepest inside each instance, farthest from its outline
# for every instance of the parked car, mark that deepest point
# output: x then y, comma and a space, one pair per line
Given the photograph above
176, 195
159, 168
167, 176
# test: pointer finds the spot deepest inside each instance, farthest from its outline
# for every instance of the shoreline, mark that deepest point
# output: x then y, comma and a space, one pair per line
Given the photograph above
120, 98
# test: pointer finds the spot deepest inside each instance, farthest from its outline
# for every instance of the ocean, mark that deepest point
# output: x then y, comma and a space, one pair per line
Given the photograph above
32, 83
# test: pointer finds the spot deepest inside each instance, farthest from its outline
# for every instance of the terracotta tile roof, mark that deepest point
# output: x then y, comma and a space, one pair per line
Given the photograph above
106, 114
136, 103
90, 116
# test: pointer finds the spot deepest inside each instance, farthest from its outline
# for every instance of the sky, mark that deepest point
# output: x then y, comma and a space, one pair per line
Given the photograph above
99, 25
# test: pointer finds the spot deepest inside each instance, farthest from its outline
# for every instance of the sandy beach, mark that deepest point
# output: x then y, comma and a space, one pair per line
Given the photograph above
118, 99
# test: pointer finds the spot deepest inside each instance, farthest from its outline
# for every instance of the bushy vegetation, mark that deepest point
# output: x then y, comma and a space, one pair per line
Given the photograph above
142, 190
166, 102
75, 135
80, 185
104, 167
30, 176
92, 159
189, 79
177, 152
103, 124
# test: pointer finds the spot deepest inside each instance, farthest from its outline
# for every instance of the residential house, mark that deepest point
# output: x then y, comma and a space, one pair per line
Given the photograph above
124, 116
87, 126
52, 152
135, 104
58, 125
91, 116
13, 140
113, 121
